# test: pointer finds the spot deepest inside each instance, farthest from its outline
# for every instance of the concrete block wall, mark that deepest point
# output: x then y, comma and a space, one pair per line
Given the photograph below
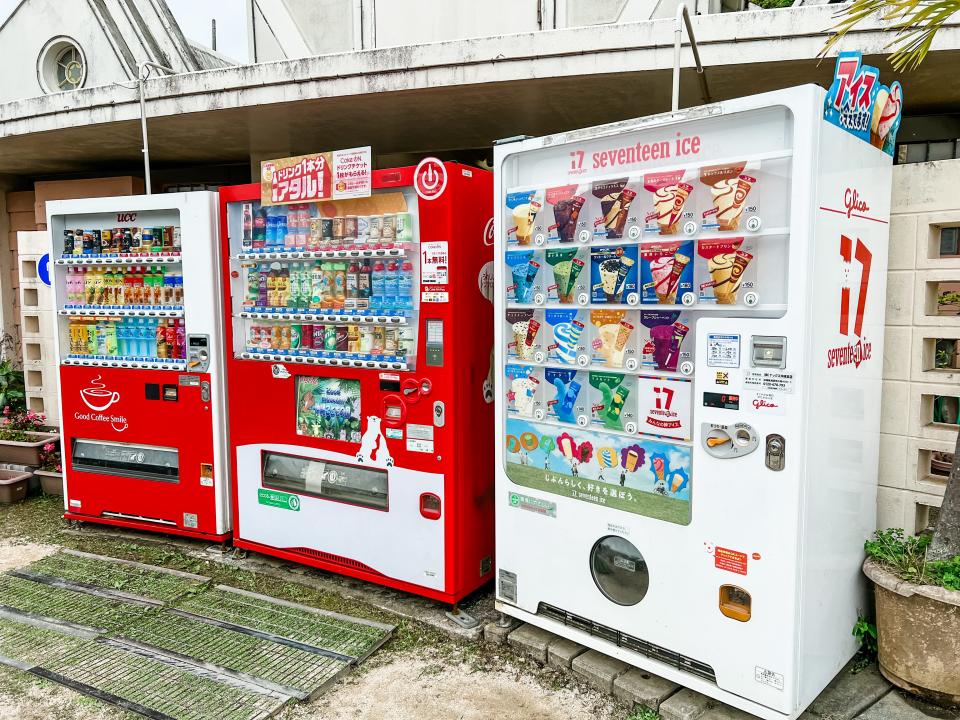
924, 201
37, 326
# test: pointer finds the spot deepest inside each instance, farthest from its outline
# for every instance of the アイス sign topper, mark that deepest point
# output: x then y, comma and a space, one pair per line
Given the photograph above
858, 103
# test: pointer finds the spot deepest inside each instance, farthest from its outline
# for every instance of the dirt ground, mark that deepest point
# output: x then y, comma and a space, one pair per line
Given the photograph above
420, 674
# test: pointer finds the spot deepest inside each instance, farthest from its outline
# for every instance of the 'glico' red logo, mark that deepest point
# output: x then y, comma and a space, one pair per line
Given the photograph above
853, 354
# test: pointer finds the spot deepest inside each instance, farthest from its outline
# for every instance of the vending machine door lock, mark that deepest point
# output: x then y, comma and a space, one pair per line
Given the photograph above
776, 449
439, 414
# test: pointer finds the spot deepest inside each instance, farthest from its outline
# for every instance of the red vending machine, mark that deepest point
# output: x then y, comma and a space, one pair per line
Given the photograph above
139, 332
360, 393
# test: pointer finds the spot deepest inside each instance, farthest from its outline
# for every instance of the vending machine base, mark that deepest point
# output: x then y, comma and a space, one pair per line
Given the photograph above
147, 526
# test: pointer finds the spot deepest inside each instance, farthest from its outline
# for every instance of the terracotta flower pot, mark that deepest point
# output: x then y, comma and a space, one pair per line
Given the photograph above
51, 483
28, 452
918, 635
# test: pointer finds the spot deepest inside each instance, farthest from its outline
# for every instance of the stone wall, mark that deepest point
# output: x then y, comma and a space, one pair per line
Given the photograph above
917, 424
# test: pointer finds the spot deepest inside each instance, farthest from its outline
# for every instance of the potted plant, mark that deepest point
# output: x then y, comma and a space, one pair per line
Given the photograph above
21, 436
50, 471
11, 387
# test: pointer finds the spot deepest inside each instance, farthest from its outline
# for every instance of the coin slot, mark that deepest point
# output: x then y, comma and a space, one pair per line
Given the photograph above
743, 436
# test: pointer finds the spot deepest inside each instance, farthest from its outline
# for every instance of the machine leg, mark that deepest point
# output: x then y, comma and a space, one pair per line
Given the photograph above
464, 620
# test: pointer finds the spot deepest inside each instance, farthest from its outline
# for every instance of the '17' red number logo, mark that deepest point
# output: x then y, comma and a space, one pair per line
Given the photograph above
864, 257
667, 395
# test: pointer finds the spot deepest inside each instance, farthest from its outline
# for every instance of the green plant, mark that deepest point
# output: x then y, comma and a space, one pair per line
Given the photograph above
50, 457
11, 387
915, 23
20, 423
773, 4
906, 556
642, 712
866, 634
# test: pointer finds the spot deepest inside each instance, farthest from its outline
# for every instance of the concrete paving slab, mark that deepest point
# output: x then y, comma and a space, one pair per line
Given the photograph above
686, 705
598, 670
532, 641
496, 633
721, 711
849, 694
899, 706
643, 688
562, 652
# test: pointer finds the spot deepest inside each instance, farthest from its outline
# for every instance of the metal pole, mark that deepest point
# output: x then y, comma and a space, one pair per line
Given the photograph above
143, 72
683, 19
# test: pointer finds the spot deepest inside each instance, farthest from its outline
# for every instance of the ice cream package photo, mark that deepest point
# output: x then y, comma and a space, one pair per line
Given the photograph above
662, 339
564, 268
664, 407
666, 272
612, 339
613, 275
566, 337
726, 268
521, 216
566, 394
522, 386
564, 222
668, 208
523, 331
615, 208
731, 188
613, 401
525, 279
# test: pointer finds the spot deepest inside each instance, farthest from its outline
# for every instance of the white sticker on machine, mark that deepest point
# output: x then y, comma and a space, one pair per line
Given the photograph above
768, 677
434, 262
769, 380
419, 438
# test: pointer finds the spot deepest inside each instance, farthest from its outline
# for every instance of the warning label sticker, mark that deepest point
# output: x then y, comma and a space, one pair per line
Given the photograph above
730, 560
768, 677
769, 380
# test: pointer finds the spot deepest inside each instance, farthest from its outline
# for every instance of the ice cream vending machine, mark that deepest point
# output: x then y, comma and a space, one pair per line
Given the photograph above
139, 328
360, 377
690, 313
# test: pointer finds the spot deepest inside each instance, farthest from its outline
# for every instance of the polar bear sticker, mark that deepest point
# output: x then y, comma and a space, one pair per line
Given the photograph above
373, 445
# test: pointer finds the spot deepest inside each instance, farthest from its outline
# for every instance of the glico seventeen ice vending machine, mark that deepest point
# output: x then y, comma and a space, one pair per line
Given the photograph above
136, 281
689, 347
361, 415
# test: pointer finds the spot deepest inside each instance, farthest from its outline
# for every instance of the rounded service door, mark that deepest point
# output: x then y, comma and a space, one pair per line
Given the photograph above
619, 570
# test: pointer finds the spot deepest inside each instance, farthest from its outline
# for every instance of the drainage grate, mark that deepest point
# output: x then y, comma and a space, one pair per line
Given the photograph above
110, 574
159, 686
291, 667
329, 631
69, 605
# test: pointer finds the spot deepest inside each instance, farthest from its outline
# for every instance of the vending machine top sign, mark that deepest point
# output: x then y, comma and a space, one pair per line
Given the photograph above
858, 103
332, 175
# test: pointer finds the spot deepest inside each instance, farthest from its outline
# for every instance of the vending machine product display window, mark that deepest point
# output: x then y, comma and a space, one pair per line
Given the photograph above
136, 282
360, 374
689, 314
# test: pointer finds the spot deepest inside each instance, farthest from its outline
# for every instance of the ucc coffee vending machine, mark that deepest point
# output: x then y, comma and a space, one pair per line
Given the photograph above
139, 327
361, 414
690, 314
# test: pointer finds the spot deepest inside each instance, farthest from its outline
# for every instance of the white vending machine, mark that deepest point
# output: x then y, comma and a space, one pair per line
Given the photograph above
690, 313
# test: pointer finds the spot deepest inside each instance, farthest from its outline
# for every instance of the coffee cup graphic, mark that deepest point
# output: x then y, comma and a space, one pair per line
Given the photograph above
97, 396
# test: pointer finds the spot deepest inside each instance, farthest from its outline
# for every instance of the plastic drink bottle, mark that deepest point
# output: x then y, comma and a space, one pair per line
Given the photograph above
391, 284
353, 285
405, 285
170, 338
181, 340
161, 339
377, 285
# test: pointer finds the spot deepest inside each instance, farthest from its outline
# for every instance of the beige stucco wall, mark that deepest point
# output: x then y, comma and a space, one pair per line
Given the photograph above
926, 197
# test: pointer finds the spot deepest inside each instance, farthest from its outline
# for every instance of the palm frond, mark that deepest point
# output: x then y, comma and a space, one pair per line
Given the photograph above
914, 23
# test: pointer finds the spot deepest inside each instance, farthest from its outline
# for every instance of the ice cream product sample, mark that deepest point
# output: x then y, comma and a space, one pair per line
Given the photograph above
561, 260
566, 212
519, 263
886, 115
566, 331
729, 188
666, 274
523, 207
615, 199
605, 345
519, 323
566, 391
721, 260
666, 334
613, 276
670, 195
522, 389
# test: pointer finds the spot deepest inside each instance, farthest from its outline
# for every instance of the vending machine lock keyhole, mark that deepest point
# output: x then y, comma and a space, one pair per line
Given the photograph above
776, 449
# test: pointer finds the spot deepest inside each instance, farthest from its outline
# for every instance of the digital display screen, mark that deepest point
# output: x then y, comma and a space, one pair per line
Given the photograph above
725, 401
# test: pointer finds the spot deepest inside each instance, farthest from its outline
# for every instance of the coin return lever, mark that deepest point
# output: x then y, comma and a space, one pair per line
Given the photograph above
729, 441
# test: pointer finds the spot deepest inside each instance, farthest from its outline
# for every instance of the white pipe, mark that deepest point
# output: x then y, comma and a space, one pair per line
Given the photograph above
683, 18
143, 72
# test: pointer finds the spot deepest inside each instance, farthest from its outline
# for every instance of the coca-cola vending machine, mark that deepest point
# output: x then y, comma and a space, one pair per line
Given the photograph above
136, 282
361, 416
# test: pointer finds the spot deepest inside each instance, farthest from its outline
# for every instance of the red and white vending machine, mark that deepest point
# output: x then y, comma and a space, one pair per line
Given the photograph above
361, 416
136, 282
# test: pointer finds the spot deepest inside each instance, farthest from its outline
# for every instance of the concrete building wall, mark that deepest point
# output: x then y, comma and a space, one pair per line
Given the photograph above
917, 424
38, 323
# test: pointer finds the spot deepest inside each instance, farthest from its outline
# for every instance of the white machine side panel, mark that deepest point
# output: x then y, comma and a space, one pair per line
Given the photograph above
847, 307
401, 545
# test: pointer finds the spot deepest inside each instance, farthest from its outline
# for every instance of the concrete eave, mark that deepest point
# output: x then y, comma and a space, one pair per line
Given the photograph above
628, 67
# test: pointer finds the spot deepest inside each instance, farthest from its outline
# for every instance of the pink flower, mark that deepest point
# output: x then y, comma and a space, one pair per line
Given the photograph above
59, 468
6, 409
48, 447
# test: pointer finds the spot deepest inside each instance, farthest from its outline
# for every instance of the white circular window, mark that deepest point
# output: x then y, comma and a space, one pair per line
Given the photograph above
61, 65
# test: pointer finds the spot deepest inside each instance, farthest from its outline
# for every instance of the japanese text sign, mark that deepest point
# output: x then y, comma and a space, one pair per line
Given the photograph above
335, 175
